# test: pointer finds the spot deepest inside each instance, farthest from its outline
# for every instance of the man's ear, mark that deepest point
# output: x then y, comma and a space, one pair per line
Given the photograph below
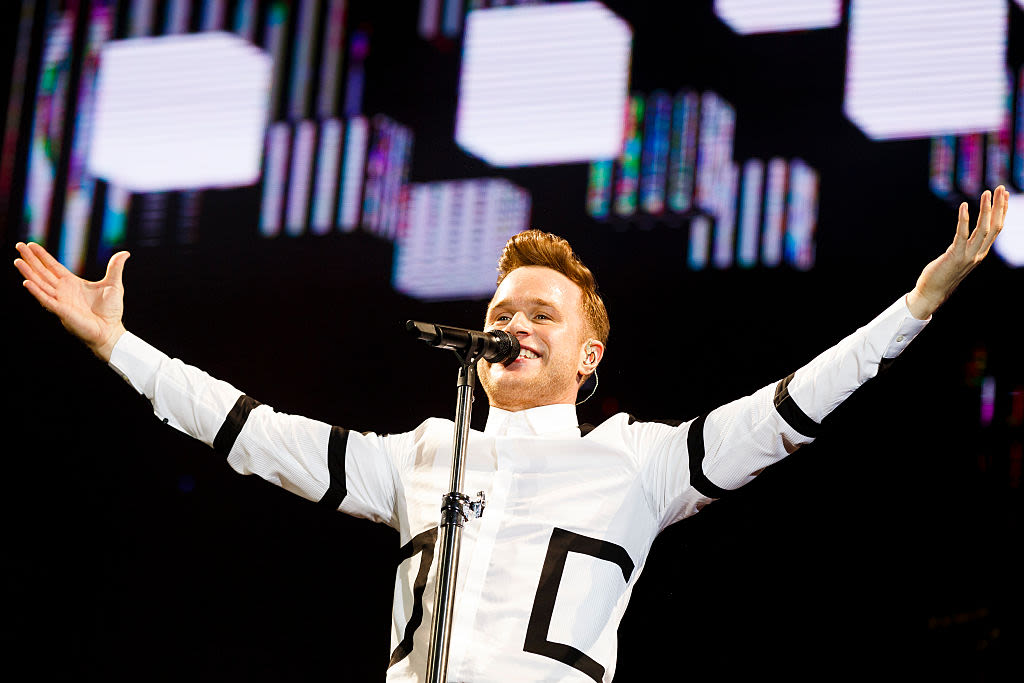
592, 353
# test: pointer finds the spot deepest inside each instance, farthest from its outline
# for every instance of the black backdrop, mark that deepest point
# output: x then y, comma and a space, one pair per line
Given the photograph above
888, 548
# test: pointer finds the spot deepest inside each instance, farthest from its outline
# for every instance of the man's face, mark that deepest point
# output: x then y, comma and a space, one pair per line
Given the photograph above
542, 309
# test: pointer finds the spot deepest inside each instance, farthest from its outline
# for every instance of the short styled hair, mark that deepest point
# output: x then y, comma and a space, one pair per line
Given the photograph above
538, 248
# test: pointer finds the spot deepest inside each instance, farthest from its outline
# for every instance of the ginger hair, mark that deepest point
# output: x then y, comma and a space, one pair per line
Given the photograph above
538, 248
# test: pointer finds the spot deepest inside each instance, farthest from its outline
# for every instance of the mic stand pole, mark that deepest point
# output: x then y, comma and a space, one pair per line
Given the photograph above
455, 509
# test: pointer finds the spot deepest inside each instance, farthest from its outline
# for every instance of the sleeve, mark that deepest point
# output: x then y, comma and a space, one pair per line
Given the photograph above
713, 454
338, 468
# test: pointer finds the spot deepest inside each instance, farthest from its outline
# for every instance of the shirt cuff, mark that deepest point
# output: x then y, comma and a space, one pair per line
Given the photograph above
907, 328
136, 362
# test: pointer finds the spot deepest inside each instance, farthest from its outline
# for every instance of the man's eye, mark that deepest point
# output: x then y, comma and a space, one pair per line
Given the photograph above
542, 316
502, 318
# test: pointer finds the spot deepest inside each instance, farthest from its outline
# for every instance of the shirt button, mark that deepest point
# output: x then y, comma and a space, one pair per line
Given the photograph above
900, 338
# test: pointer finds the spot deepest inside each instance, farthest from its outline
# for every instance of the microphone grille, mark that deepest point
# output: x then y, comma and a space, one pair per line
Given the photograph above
508, 347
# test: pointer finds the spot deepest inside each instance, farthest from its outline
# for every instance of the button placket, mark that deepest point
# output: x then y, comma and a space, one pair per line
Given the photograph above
468, 602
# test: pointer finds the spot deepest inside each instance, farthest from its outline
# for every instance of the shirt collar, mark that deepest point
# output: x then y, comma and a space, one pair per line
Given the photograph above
558, 417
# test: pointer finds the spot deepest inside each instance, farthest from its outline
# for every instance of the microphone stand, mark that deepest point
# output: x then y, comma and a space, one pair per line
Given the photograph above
455, 509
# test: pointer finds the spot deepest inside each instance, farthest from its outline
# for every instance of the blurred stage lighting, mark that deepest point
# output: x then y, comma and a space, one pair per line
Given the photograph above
1010, 243
180, 112
758, 16
543, 84
453, 234
924, 68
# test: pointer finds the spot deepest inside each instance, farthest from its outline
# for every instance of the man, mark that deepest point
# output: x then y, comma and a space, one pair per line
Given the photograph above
546, 573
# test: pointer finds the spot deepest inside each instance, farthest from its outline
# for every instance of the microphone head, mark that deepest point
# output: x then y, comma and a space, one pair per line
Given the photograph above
420, 330
506, 350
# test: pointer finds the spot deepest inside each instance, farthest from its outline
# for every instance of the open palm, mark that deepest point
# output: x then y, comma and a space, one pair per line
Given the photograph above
90, 310
940, 277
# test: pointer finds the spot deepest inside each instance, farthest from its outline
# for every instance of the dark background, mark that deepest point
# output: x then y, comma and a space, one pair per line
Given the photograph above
889, 548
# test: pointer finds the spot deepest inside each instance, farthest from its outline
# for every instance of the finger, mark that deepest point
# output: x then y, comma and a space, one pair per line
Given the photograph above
35, 264
115, 268
999, 204
1002, 199
977, 238
47, 301
962, 223
52, 264
32, 276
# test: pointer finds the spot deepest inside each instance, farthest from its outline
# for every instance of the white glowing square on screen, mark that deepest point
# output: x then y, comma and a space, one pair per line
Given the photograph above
180, 112
926, 68
758, 16
543, 84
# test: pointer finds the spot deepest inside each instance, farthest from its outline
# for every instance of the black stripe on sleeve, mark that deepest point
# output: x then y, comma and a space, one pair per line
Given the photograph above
233, 424
791, 412
336, 445
670, 423
695, 449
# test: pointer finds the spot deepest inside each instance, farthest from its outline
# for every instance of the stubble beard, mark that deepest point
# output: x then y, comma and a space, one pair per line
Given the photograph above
511, 391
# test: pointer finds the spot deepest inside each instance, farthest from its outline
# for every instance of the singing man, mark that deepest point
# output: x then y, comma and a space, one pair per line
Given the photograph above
546, 573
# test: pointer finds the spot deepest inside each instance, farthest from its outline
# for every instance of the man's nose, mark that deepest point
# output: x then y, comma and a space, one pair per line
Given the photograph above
519, 324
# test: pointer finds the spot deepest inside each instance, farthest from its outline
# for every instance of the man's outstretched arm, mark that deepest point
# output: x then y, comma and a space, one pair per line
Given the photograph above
734, 442
91, 311
303, 456
789, 414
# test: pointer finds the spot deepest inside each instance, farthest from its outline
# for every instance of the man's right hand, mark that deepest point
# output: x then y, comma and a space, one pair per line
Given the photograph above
89, 310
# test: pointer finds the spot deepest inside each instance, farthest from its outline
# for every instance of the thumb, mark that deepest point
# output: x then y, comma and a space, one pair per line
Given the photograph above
115, 268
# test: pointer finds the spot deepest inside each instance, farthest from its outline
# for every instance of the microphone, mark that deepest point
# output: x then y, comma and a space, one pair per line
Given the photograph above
496, 346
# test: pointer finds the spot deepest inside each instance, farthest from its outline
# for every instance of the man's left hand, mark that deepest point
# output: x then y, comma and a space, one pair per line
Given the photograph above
940, 277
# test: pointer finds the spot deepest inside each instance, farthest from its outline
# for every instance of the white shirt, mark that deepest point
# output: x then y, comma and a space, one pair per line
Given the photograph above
545, 575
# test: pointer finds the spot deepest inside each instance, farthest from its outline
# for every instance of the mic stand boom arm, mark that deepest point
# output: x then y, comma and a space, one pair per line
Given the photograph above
455, 509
